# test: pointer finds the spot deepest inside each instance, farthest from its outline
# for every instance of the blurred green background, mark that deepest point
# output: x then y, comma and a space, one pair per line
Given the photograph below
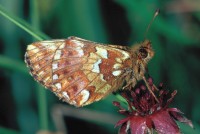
25, 107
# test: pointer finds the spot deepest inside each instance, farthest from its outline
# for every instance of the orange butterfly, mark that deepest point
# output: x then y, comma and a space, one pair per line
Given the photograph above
81, 72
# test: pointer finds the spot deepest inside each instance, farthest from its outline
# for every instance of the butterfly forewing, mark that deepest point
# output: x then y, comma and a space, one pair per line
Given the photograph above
76, 70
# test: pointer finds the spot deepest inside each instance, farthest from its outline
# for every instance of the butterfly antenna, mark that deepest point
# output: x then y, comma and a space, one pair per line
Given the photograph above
155, 14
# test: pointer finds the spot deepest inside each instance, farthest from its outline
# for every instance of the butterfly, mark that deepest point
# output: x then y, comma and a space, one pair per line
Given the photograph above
81, 72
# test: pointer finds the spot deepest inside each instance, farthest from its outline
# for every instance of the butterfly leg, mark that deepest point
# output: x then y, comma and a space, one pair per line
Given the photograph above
155, 87
131, 83
150, 90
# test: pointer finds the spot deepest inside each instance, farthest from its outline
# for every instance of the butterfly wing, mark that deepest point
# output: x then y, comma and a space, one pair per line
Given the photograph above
76, 70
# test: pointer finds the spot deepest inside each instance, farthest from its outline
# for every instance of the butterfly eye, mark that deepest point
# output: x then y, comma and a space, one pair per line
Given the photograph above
143, 52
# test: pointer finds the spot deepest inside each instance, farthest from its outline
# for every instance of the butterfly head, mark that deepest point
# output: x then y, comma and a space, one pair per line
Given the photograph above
145, 51
142, 53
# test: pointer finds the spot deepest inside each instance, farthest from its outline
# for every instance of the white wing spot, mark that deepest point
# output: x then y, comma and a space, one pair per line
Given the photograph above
54, 66
73, 102
102, 52
117, 72
126, 55
52, 47
55, 77
35, 50
30, 47
101, 77
80, 51
37, 66
46, 42
46, 79
58, 85
57, 55
96, 68
65, 95
62, 46
41, 73
117, 66
118, 60
78, 43
85, 96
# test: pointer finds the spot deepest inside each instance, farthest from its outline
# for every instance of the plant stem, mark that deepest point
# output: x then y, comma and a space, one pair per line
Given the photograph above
23, 25
41, 93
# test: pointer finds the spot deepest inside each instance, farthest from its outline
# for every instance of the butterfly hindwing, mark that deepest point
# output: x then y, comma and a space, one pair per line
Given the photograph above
76, 70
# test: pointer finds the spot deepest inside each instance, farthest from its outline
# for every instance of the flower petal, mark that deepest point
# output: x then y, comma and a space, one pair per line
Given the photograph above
123, 129
138, 125
174, 110
181, 118
164, 123
149, 122
122, 121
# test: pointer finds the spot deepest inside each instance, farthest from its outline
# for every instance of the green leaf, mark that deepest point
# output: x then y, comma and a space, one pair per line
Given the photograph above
23, 24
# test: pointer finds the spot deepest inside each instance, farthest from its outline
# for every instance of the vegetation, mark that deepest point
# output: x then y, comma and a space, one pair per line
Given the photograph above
175, 34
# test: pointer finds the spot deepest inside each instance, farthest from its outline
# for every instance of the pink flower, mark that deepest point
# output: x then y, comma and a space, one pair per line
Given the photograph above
145, 114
